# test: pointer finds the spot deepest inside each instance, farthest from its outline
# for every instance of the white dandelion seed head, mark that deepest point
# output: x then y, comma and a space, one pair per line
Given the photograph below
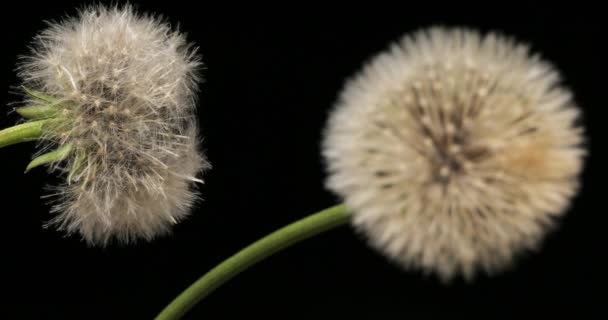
455, 151
126, 85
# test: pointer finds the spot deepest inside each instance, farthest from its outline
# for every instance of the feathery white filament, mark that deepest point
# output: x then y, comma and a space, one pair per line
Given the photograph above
126, 84
454, 150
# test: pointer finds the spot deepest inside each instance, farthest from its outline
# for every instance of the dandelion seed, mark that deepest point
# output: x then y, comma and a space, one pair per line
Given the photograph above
126, 84
484, 156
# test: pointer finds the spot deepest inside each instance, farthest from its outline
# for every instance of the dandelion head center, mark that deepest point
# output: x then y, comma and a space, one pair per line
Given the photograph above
454, 150
443, 116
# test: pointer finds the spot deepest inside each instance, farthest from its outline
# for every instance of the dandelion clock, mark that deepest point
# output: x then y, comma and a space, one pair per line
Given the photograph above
454, 150
110, 98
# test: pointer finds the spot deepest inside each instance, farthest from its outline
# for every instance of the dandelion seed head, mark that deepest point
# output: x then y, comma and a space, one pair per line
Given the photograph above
126, 84
455, 151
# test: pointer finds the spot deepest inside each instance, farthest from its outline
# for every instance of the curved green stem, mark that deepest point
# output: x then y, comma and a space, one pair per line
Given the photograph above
300, 230
28, 131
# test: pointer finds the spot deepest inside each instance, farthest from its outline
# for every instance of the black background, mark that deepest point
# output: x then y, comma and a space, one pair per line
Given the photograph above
272, 74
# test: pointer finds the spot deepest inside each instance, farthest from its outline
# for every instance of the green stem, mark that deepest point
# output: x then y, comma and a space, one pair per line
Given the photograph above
22, 133
300, 230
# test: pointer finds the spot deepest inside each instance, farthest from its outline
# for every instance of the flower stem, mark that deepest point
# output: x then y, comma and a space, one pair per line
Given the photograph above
300, 230
28, 131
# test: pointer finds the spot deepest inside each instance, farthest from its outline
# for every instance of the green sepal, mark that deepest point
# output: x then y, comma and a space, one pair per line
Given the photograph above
37, 112
40, 96
76, 166
53, 156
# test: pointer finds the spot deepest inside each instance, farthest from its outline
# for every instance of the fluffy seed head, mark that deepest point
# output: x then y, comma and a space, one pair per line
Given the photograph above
454, 150
126, 86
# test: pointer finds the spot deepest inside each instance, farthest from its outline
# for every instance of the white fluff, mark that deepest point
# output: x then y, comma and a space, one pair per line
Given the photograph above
127, 85
454, 150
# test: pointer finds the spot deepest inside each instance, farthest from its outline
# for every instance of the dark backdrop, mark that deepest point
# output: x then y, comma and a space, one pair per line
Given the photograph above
272, 73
